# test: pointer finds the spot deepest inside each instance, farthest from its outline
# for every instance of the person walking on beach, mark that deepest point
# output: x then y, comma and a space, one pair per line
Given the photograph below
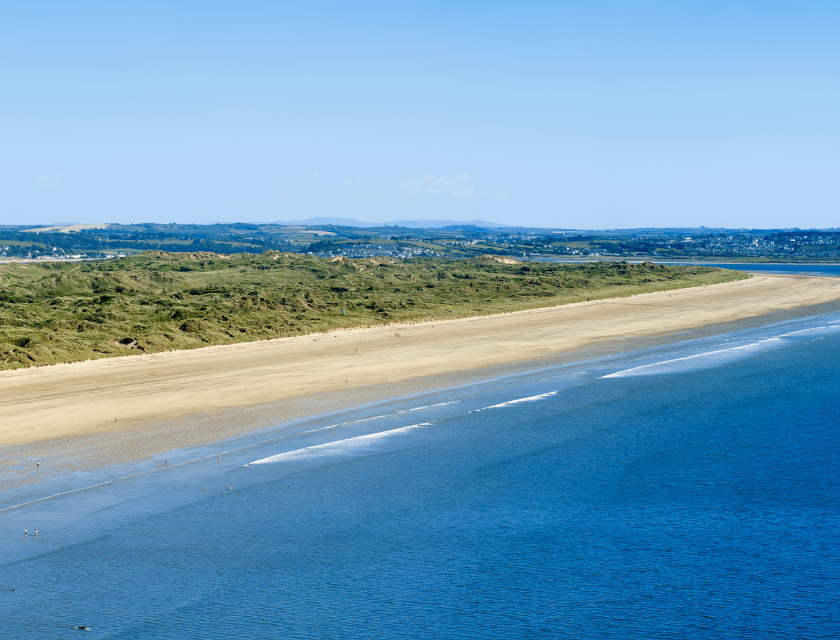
219, 458
37, 465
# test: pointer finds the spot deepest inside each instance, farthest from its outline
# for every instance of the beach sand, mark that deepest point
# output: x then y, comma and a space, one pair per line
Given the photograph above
128, 395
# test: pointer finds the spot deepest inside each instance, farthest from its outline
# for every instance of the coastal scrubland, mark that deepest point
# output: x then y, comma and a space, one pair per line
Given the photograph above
55, 312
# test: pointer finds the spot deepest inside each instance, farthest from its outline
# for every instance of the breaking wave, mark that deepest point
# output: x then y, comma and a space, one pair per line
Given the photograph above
517, 401
719, 357
339, 447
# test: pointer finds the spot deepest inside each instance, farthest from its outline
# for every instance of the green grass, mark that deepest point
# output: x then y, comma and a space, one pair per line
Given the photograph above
155, 301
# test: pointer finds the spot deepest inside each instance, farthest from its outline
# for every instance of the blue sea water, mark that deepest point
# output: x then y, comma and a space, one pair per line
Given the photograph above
775, 268
815, 269
683, 491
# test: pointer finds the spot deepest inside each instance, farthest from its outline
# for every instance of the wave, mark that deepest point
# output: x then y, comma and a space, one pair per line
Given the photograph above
339, 447
517, 401
429, 406
382, 415
811, 331
719, 357
700, 361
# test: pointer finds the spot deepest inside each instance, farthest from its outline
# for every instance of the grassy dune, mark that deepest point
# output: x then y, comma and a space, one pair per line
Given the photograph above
65, 312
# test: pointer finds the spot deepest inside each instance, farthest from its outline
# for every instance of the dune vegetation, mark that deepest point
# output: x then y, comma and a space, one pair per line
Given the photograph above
53, 312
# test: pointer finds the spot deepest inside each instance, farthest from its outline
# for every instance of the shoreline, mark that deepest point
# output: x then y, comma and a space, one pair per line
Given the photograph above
428, 320
702, 262
128, 396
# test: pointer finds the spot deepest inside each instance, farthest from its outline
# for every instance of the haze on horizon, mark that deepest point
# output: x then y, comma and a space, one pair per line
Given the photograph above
553, 114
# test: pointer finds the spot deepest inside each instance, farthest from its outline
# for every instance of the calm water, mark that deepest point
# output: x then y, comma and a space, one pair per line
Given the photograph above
753, 267
689, 491
791, 269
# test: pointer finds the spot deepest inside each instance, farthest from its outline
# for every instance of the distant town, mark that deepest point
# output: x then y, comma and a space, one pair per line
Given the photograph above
80, 242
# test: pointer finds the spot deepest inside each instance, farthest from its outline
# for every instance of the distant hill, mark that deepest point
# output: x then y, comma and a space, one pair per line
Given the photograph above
411, 224
439, 224
320, 222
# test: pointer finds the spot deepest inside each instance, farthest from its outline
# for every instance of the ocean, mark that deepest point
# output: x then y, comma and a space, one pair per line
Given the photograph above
769, 268
687, 490
802, 269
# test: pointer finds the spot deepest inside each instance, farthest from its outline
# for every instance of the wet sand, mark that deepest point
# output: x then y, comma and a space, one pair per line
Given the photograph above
82, 400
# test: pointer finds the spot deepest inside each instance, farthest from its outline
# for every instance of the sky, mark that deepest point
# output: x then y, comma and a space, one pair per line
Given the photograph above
589, 115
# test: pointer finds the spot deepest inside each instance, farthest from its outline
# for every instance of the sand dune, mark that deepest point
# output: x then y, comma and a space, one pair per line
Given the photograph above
85, 398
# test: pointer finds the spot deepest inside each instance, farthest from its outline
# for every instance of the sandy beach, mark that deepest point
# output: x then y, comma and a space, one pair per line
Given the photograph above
119, 395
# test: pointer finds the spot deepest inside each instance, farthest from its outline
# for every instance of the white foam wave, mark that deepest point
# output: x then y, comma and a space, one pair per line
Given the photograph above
382, 415
812, 331
700, 361
720, 357
339, 447
439, 404
518, 400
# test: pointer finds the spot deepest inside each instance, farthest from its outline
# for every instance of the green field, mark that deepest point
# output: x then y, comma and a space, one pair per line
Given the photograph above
64, 312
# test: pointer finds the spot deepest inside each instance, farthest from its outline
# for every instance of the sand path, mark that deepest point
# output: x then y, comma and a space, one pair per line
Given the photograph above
85, 398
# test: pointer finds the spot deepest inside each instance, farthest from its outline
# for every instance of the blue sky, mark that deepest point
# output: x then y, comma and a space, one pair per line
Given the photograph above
582, 115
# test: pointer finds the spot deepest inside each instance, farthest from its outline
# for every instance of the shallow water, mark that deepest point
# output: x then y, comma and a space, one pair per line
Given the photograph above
689, 490
800, 269
784, 268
